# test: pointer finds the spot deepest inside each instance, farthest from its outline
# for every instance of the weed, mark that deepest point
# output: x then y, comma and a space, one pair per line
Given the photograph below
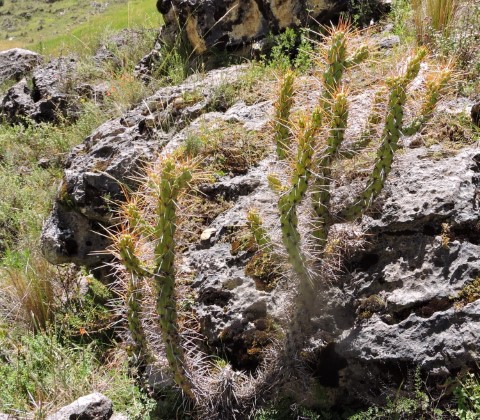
468, 398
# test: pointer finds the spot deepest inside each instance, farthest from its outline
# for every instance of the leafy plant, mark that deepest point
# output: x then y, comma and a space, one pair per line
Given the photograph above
468, 398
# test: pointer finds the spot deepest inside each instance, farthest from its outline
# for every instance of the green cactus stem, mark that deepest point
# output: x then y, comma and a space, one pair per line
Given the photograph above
173, 179
289, 201
389, 143
337, 63
133, 298
434, 90
283, 107
263, 240
321, 194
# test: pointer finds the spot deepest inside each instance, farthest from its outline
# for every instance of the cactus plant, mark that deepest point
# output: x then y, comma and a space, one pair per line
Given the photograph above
263, 240
283, 107
166, 189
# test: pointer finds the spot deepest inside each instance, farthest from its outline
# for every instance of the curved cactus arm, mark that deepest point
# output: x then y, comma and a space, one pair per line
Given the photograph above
389, 144
358, 57
321, 195
283, 107
173, 179
434, 89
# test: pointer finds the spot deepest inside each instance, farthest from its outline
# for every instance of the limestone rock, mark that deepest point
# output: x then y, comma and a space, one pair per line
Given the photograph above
90, 407
17, 62
422, 250
17, 103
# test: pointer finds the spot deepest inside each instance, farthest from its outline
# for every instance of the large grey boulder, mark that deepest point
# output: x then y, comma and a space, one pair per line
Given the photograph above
90, 407
213, 23
16, 63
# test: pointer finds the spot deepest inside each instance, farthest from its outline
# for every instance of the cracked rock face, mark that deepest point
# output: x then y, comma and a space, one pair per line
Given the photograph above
395, 311
231, 23
47, 101
96, 169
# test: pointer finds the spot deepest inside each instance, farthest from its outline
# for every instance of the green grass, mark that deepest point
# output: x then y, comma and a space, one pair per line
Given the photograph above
42, 374
70, 26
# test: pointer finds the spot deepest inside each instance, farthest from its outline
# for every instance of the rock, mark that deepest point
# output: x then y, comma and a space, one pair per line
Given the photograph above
90, 407
388, 42
207, 234
233, 23
112, 49
96, 169
475, 113
48, 101
16, 63
422, 250
17, 104
119, 416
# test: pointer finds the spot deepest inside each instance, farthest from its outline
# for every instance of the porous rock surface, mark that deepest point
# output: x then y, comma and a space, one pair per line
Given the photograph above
16, 62
390, 311
213, 23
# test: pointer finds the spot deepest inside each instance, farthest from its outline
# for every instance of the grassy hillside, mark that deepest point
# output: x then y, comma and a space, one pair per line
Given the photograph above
69, 25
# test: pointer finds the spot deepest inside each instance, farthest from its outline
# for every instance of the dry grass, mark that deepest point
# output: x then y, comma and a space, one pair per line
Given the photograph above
434, 17
29, 293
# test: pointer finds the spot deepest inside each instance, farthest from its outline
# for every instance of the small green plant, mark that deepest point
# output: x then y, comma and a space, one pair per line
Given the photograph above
468, 398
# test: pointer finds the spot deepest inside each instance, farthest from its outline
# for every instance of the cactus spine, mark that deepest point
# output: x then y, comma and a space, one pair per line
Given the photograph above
389, 143
133, 297
337, 63
283, 107
260, 234
289, 201
434, 89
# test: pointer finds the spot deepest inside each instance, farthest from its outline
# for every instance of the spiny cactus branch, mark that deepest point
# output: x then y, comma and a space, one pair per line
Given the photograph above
173, 179
283, 107
321, 194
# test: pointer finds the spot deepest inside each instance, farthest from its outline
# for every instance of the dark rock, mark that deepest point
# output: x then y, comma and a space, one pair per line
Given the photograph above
219, 24
475, 113
17, 104
48, 100
96, 92
16, 63
90, 407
